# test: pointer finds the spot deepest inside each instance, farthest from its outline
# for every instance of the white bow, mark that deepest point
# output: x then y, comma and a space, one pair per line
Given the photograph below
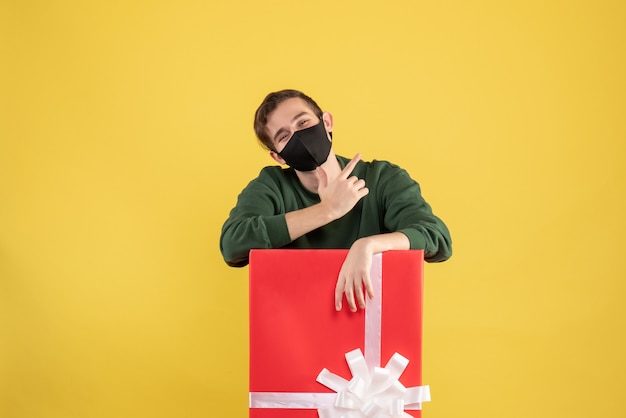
375, 394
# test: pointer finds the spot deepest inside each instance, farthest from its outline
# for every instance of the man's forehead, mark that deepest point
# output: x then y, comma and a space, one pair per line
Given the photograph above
290, 107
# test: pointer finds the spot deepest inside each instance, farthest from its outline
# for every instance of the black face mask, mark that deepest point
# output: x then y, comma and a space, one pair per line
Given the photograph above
307, 149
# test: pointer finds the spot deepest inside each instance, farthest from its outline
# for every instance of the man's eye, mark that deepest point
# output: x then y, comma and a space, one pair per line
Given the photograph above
303, 122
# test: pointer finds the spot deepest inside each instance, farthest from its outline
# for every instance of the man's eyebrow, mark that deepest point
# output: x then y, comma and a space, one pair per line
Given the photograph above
281, 130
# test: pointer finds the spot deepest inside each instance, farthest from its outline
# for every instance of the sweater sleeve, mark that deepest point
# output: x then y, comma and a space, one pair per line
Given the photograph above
257, 221
406, 211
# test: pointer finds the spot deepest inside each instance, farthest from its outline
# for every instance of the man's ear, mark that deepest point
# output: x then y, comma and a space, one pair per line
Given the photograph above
328, 121
277, 157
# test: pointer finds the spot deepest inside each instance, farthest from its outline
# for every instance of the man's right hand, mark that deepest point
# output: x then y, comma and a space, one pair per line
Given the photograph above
338, 196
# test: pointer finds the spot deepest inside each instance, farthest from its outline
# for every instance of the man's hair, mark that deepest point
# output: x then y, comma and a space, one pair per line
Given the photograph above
269, 104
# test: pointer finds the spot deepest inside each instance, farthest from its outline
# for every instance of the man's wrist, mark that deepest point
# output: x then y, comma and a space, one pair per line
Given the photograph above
367, 244
375, 244
327, 213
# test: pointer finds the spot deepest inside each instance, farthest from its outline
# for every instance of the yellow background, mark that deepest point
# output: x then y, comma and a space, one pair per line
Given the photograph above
126, 135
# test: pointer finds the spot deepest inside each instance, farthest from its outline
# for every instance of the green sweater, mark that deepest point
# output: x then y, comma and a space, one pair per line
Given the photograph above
394, 203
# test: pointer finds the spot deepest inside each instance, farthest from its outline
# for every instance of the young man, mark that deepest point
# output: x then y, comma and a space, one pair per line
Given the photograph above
327, 201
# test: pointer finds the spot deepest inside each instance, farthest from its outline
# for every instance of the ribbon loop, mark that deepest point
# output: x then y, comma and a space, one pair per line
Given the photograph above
331, 380
357, 364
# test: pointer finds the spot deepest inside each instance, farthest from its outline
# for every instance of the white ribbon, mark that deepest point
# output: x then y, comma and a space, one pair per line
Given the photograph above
375, 394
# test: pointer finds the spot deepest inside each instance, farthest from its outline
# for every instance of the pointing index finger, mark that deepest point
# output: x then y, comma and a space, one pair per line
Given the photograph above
350, 166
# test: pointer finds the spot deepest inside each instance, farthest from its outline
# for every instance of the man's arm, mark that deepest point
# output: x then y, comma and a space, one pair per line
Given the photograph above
259, 221
413, 226
407, 211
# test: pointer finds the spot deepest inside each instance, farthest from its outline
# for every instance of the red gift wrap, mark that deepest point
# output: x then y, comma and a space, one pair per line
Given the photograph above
295, 331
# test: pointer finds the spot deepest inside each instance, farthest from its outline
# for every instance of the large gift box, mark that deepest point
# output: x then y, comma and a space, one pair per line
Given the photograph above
308, 359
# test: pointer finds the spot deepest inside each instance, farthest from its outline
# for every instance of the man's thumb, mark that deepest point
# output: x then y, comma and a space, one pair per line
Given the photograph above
322, 177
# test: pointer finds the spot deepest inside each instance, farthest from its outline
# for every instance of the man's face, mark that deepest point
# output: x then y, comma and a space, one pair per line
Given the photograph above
290, 115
